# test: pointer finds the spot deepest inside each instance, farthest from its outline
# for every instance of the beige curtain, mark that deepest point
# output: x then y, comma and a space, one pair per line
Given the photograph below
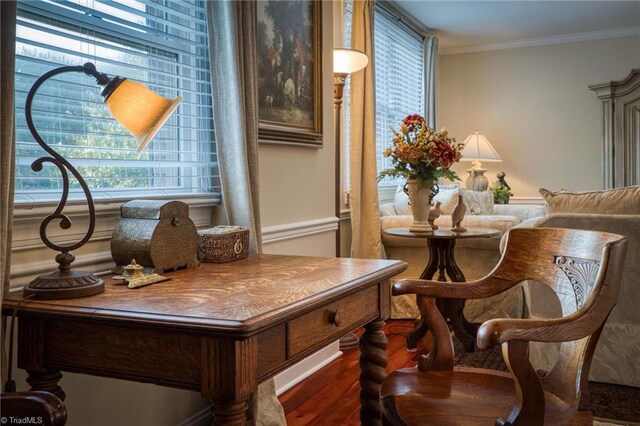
430, 51
233, 53
365, 215
7, 146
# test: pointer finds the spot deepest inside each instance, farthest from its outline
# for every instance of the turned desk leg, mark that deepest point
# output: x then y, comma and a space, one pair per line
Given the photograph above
373, 370
230, 413
229, 377
46, 380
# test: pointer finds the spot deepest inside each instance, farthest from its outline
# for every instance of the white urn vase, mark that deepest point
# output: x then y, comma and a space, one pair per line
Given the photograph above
419, 198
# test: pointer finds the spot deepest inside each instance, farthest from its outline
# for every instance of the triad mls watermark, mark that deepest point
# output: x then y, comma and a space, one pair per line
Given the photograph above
26, 420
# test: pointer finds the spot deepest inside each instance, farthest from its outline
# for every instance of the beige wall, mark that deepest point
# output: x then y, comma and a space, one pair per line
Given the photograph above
297, 183
535, 107
298, 217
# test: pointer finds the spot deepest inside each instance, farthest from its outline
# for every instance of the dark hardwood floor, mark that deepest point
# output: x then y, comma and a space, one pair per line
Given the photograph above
330, 396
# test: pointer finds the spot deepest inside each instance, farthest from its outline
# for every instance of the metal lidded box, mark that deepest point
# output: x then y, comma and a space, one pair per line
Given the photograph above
157, 234
222, 244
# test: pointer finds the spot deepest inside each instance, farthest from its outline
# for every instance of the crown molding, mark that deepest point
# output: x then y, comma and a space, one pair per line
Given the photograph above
542, 41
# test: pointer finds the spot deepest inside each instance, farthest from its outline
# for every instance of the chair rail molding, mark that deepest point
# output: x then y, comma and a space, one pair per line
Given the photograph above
289, 231
621, 130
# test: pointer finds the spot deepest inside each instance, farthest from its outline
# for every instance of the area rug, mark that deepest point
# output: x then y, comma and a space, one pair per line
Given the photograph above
608, 401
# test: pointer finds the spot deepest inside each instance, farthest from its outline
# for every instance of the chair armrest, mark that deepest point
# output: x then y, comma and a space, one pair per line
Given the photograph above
479, 289
441, 356
572, 327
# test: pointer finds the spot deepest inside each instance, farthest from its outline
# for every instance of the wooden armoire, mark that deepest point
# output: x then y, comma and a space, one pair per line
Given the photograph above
621, 125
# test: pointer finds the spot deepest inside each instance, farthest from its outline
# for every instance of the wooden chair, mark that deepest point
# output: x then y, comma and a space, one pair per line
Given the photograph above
583, 268
34, 407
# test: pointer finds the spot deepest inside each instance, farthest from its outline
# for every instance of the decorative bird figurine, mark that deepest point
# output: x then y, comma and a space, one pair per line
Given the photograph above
458, 214
434, 213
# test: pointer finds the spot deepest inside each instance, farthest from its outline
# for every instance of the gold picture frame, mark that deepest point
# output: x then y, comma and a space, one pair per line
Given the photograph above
289, 47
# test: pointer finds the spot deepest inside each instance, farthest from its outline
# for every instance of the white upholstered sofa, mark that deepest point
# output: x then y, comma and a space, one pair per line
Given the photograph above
475, 257
617, 211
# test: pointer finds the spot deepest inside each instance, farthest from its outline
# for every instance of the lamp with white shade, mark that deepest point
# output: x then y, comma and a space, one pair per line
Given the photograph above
345, 62
477, 148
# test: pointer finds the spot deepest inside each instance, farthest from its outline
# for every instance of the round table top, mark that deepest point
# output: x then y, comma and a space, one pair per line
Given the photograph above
444, 233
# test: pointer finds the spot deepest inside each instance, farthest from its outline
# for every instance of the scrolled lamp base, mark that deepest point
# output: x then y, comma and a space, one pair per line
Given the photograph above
65, 283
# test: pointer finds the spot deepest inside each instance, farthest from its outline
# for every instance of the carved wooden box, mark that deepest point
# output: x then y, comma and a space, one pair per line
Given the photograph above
222, 244
156, 234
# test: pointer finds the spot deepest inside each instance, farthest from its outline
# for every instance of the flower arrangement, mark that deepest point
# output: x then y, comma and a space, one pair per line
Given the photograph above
421, 153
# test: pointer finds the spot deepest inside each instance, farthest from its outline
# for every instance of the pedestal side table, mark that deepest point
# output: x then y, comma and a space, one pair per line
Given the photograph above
441, 243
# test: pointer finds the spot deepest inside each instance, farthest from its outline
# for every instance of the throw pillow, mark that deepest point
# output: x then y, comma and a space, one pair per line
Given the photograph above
478, 202
401, 202
448, 198
624, 200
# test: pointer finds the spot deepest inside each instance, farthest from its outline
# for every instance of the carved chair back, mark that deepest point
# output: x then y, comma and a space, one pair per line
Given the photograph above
582, 268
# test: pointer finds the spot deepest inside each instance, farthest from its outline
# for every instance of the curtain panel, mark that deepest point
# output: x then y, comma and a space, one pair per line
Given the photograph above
430, 51
233, 53
365, 212
7, 148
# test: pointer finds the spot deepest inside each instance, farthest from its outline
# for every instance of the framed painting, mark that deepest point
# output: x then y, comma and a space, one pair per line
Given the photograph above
290, 72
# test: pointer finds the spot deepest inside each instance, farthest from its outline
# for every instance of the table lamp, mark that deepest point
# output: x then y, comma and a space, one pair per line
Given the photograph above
138, 109
477, 148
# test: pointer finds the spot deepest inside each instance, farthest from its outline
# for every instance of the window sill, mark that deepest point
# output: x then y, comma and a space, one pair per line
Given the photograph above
30, 257
31, 210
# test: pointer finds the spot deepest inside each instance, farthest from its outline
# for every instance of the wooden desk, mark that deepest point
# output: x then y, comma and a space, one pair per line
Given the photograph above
442, 259
219, 329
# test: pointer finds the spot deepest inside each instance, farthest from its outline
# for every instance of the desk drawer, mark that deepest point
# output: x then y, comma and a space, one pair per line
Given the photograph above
330, 320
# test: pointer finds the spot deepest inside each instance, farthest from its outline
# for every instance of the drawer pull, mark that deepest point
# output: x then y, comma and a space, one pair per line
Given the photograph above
335, 318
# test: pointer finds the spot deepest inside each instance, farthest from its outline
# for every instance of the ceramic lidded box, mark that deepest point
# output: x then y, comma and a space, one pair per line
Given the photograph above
157, 234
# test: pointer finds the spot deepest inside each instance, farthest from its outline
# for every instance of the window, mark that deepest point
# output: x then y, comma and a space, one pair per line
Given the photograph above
399, 75
160, 43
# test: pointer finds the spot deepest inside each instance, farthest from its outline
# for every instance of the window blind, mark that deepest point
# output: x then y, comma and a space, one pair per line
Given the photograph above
160, 43
399, 81
399, 62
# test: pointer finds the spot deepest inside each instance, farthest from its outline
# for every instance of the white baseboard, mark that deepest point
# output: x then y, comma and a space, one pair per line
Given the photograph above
305, 368
283, 381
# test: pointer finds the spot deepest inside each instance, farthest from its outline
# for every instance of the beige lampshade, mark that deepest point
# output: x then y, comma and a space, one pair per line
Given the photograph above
140, 110
478, 148
347, 61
